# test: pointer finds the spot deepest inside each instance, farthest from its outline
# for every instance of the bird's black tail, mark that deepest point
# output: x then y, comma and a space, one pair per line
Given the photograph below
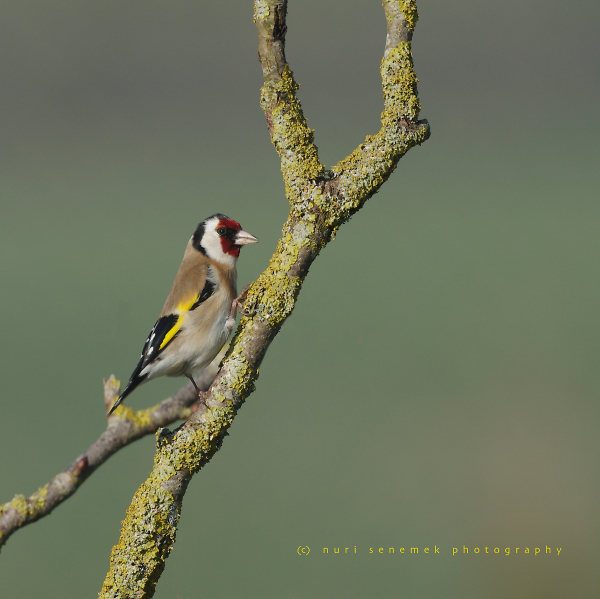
134, 381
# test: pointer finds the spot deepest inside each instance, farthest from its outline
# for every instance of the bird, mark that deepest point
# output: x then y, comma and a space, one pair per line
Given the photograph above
199, 313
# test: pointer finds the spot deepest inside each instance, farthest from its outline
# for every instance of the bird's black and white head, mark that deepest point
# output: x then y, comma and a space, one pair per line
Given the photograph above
220, 238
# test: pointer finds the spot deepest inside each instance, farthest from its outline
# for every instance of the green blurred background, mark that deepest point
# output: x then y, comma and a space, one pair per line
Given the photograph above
438, 381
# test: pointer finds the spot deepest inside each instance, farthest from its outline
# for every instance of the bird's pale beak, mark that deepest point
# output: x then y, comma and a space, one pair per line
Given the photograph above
243, 238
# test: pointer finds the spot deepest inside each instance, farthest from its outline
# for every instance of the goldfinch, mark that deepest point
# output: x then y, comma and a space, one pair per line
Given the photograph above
199, 313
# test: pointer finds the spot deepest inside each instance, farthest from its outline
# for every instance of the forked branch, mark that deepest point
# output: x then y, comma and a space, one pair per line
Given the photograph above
321, 200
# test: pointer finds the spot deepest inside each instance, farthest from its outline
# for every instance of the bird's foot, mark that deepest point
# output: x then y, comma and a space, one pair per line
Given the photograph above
202, 395
238, 303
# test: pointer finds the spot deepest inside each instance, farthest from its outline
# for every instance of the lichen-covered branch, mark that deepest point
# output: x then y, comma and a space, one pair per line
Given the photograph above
124, 427
320, 201
357, 177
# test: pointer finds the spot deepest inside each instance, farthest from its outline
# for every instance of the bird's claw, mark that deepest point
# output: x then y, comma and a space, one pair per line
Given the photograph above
202, 396
238, 303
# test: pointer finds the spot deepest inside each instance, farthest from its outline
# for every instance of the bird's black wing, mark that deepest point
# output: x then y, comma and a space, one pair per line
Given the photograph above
163, 332
166, 326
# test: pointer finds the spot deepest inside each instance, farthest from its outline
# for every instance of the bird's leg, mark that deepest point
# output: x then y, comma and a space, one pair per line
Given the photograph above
238, 303
200, 394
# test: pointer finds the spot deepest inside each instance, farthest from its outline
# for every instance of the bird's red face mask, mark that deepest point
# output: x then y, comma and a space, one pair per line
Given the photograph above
233, 237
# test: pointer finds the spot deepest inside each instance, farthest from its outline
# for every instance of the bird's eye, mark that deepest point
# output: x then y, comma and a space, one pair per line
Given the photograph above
221, 231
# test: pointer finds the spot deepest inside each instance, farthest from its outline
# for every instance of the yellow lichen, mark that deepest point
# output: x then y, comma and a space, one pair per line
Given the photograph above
365, 170
19, 503
274, 294
146, 539
140, 418
409, 10
39, 497
292, 138
237, 368
162, 472
400, 83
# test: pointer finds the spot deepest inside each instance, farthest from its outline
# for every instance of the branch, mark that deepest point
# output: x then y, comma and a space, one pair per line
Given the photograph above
356, 178
124, 427
320, 202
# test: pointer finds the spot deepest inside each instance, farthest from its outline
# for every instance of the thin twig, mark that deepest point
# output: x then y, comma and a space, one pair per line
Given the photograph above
124, 427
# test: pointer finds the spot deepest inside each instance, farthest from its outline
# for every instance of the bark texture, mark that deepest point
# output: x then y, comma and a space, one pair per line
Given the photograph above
321, 200
124, 427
